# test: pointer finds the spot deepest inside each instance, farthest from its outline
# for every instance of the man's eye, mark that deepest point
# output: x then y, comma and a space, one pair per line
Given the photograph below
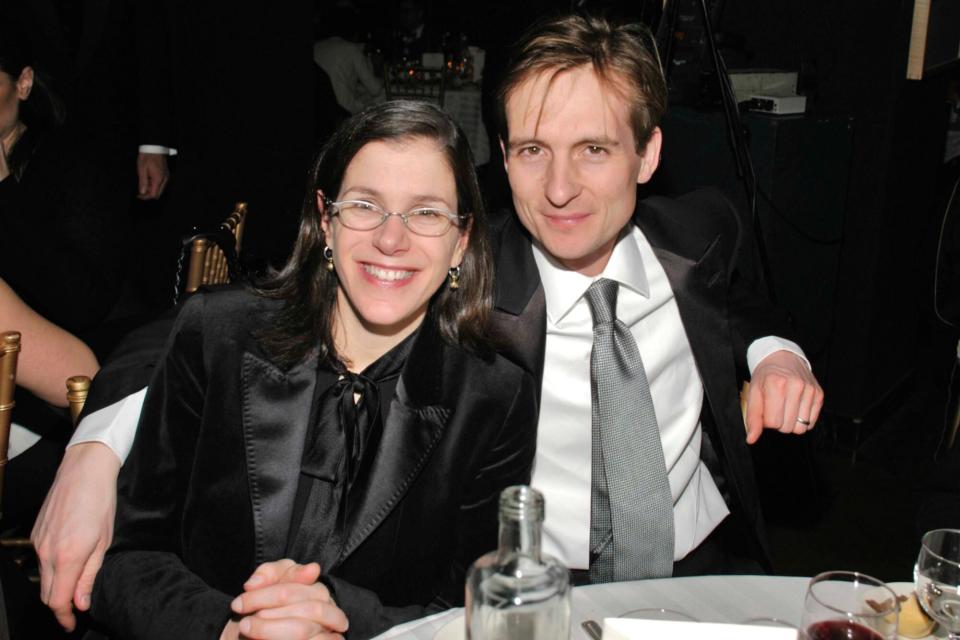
531, 150
595, 150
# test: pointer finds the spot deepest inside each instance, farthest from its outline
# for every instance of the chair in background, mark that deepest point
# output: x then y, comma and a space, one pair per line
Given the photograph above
415, 83
214, 256
9, 353
77, 389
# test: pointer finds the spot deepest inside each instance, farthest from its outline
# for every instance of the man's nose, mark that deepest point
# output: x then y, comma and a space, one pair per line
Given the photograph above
561, 185
392, 236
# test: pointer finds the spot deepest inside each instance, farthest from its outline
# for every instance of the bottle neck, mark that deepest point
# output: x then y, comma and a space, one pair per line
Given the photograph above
520, 536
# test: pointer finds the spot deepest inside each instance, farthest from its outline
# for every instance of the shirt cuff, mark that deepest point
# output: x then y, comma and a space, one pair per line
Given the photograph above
763, 347
114, 425
157, 149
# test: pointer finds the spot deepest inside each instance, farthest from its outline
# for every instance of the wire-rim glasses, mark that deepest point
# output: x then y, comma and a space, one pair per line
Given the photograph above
361, 215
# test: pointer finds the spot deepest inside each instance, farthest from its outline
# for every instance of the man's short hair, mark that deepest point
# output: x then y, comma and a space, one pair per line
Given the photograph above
623, 56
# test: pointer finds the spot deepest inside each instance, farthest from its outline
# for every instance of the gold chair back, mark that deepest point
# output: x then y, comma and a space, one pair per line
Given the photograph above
208, 264
77, 389
9, 353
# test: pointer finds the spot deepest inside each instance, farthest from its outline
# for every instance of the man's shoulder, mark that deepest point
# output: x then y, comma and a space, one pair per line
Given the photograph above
704, 215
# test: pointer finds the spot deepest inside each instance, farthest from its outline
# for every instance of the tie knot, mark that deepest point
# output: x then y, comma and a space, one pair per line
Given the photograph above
602, 297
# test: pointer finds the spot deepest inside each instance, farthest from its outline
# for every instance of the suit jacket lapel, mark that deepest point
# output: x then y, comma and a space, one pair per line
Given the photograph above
519, 320
696, 270
416, 422
276, 412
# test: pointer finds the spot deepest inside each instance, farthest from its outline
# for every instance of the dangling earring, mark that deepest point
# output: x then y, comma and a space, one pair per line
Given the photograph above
454, 276
328, 256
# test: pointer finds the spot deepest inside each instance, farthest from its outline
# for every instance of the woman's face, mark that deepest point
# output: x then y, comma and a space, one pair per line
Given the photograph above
388, 274
12, 92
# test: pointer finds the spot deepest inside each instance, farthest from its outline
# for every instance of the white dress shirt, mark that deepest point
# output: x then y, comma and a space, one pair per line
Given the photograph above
647, 306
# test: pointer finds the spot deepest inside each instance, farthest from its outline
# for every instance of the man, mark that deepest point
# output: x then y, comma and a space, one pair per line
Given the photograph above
580, 105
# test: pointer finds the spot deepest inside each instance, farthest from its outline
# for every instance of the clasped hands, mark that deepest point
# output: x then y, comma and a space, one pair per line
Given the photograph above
783, 394
282, 599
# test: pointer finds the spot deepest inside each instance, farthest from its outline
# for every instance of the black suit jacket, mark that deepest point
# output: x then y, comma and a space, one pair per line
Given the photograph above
208, 490
697, 240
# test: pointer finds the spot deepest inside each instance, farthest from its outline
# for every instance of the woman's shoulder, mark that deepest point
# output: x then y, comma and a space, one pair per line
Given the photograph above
227, 310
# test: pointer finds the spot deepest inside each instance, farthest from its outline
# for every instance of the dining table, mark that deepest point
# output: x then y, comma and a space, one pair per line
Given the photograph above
717, 598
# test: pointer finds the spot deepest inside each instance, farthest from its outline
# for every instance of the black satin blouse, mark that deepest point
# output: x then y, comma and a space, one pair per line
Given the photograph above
346, 423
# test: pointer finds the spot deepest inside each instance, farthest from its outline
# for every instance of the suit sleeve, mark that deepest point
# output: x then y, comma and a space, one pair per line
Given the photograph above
144, 590
507, 461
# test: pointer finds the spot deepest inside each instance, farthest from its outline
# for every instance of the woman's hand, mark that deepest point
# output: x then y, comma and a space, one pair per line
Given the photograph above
283, 600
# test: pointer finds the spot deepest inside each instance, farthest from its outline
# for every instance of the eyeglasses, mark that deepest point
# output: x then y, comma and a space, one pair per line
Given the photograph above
360, 215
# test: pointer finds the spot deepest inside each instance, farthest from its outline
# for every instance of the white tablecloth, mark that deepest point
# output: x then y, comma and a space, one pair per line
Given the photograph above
707, 598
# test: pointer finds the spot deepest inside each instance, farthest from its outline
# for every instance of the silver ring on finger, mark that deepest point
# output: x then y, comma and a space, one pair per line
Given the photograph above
805, 423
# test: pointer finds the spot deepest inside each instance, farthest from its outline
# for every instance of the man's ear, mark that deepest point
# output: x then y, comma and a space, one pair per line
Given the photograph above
25, 83
650, 157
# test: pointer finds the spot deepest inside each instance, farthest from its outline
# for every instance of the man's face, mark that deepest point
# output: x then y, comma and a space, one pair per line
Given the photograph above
573, 164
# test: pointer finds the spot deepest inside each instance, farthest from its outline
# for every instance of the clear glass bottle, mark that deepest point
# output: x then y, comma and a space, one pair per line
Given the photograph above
516, 592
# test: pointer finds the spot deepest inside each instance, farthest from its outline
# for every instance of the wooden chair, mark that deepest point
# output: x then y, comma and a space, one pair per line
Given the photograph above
77, 389
213, 256
9, 353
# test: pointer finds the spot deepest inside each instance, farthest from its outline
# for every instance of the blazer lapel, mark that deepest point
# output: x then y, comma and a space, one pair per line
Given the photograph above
415, 424
276, 411
519, 320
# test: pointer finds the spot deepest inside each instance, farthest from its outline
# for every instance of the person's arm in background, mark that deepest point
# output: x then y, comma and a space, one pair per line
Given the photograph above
155, 99
75, 525
48, 354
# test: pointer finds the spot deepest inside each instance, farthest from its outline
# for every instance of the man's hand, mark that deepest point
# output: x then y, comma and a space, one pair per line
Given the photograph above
283, 599
75, 527
152, 175
783, 395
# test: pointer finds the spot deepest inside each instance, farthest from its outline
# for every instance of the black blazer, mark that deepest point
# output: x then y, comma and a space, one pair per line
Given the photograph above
697, 240
208, 490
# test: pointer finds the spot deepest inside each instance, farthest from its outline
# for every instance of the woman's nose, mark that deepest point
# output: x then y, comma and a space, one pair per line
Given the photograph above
392, 236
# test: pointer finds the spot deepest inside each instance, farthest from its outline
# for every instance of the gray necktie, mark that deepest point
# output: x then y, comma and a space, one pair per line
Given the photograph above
631, 510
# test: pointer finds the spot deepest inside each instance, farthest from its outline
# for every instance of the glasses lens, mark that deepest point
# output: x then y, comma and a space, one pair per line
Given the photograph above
360, 215
428, 222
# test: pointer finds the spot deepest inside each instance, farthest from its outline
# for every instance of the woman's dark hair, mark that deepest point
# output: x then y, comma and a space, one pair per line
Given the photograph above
43, 108
309, 291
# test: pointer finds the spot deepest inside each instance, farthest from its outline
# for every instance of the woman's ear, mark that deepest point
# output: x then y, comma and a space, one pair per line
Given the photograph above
322, 210
463, 241
25, 83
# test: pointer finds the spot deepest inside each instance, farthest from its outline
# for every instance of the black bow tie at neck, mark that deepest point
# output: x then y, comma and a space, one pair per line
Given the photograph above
348, 422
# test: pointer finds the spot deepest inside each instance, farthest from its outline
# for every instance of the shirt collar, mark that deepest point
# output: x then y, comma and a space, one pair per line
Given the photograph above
563, 287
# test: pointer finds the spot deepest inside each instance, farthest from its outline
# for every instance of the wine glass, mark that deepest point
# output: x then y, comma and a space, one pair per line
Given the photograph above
846, 605
937, 576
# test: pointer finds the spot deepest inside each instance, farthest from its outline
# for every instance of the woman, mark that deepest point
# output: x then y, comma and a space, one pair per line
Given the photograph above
346, 413
61, 204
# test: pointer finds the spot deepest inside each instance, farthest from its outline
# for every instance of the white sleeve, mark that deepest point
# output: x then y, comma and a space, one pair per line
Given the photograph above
157, 150
114, 426
763, 347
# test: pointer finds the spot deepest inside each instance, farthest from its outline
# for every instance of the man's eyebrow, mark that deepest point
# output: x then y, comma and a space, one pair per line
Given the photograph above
601, 141
522, 142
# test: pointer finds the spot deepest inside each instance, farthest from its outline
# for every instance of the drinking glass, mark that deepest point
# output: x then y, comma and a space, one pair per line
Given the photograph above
846, 605
937, 577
